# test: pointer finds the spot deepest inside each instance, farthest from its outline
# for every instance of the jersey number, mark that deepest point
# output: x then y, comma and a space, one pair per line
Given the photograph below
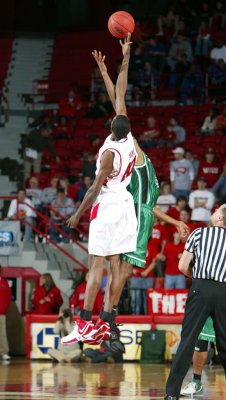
129, 169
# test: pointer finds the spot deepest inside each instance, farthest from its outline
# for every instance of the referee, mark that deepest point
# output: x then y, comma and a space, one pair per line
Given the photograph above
206, 250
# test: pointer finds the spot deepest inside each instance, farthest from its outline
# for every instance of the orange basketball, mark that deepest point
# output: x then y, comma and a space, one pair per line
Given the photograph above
120, 24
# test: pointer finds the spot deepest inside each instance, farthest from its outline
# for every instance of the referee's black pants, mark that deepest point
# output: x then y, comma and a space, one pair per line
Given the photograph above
206, 298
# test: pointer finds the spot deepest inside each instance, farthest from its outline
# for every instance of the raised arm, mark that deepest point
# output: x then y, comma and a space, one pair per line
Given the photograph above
100, 59
121, 84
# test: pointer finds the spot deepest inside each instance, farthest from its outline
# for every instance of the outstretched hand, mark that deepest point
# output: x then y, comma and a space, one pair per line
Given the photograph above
126, 44
183, 230
98, 56
73, 221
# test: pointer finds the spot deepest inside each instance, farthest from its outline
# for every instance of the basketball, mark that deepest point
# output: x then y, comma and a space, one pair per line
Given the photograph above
120, 24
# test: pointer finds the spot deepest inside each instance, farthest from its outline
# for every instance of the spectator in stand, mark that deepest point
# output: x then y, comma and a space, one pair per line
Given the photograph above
155, 267
70, 104
89, 166
24, 213
155, 53
34, 193
61, 209
181, 204
136, 62
210, 168
180, 46
209, 123
167, 21
220, 125
218, 52
151, 135
182, 67
101, 107
63, 326
46, 298
97, 84
172, 252
219, 189
77, 299
217, 77
166, 198
218, 16
185, 217
49, 193
36, 142
168, 138
201, 201
87, 182
181, 174
62, 129
203, 41
179, 131
148, 80
5, 299
64, 184
192, 85
195, 163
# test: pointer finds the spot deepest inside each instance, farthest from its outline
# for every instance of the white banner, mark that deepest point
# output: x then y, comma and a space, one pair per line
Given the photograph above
9, 238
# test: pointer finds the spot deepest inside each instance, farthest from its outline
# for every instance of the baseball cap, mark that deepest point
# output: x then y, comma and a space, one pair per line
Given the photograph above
202, 178
178, 150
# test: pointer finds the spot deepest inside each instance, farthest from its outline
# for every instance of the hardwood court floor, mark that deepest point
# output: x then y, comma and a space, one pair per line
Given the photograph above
26, 380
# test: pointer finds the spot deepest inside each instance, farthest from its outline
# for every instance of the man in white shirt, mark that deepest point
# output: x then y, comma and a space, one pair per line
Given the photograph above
181, 174
166, 198
218, 52
201, 201
18, 210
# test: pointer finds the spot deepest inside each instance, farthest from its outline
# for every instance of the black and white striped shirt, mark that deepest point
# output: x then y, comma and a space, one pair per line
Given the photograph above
209, 248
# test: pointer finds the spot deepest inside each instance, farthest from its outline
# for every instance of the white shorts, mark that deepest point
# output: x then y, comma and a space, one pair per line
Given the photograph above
113, 225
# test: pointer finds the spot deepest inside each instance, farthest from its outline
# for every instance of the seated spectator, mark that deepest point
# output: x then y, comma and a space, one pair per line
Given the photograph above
103, 355
62, 129
87, 182
36, 142
61, 209
172, 253
78, 297
63, 183
97, 84
209, 123
24, 213
63, 326
136, 62
49, 193
180, 45
210, 168
218, 52
220, 124
155, 247
192, 85
195, 163
181, 204
203, 40
181, 174
201, 201
166, 198
155, 53
168, 20
89, 166
70, 104
182, 67
218, 16
185, 217
179, 131
151, 135
219, 189
168, 138
101, 107
34, 193
46, 298
148, 79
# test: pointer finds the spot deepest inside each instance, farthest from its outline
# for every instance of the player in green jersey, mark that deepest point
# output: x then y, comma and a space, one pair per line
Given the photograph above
144, 188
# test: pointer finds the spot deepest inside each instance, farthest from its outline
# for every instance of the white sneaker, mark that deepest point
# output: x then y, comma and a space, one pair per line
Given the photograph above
6, 357
193, 387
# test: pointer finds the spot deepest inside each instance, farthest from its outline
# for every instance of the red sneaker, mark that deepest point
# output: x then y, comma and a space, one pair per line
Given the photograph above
82, 330
102, 333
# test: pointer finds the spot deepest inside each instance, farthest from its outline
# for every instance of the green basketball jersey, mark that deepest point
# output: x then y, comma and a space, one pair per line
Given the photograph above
144, 188
144, 185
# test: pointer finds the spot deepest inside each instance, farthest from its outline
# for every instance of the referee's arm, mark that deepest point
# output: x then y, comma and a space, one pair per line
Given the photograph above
185, 263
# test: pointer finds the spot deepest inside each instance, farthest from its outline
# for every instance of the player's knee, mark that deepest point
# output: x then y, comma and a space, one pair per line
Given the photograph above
127, 270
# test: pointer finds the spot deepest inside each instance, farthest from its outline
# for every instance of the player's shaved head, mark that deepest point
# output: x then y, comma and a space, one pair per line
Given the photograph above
120, 126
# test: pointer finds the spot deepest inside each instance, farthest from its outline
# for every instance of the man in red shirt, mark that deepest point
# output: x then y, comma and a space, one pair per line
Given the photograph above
5, 298
172, 252
210, 168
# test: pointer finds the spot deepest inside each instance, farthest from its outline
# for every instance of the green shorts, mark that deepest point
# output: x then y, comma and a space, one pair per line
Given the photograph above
145, 222
208, 332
